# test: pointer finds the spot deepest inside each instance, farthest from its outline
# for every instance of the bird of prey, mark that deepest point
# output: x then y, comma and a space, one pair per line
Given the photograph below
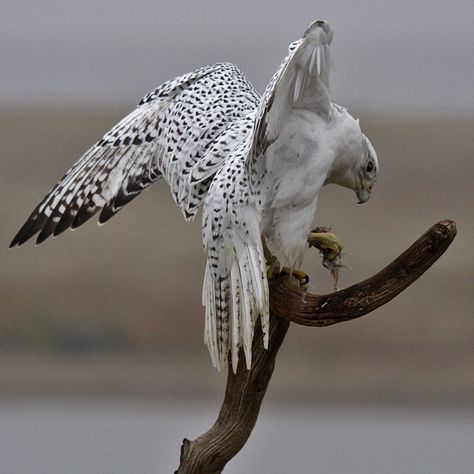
255, 163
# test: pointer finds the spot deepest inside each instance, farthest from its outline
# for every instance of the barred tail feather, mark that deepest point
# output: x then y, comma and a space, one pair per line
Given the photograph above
235, 316
233, 303
222, 321
208, 299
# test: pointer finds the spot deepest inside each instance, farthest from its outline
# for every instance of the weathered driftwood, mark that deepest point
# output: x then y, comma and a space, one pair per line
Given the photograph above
245, 390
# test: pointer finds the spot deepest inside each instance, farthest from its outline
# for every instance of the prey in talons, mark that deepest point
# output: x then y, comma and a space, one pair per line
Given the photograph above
331, 250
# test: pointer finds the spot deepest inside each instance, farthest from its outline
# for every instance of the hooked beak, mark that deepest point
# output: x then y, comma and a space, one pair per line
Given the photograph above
363, 192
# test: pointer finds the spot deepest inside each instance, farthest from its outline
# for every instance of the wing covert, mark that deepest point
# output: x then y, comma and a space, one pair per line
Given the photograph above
165, 136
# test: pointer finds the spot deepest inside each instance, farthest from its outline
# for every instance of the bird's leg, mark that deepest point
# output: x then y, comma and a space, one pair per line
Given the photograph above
330, 247
273, 268
273, 265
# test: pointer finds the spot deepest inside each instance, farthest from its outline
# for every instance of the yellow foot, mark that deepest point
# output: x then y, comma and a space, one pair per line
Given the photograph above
302, 277
331, 248
326, 242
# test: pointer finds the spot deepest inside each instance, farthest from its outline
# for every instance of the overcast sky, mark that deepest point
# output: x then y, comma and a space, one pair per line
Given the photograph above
403, 55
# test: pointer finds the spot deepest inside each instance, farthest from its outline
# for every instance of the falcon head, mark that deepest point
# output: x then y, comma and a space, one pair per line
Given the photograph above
355, 165
366, 171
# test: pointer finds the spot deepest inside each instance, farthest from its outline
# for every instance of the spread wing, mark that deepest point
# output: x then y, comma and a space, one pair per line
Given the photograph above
301, 82
206, 133
173, 133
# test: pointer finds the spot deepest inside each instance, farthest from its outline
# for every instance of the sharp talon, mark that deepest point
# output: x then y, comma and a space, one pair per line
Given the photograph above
302, 277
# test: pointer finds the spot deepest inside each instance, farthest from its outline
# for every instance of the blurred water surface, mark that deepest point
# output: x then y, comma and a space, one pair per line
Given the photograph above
55, 437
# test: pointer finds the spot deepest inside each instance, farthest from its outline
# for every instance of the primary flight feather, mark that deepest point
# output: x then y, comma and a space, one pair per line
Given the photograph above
256, 164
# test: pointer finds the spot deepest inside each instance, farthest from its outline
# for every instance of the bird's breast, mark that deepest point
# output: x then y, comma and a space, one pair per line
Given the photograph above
296, 163
296, 166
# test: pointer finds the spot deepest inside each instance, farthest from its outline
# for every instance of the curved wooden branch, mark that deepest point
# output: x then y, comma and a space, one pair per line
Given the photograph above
245, 390
244, 394
289, 301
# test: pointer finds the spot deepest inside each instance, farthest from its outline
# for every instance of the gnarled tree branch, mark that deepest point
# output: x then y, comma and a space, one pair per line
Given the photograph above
245, 390
244, 393
290, 302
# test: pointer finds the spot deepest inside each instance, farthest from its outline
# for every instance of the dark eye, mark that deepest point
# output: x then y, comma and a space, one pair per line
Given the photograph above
370, 167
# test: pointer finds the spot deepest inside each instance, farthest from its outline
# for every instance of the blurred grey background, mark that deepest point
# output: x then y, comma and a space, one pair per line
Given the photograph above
102, 365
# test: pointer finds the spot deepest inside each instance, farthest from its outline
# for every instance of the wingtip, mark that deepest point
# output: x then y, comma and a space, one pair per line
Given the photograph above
320, 24
107, 213
83, 215
47, 229
14, 242
41, 238
34, 224
20, 238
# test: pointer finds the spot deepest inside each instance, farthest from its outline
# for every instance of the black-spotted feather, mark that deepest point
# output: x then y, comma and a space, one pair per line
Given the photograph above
206, 133
166, 135
235, 289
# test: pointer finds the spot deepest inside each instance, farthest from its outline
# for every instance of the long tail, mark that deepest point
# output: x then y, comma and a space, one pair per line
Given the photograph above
234, 299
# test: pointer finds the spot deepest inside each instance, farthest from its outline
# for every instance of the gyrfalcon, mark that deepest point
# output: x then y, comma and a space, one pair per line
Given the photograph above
255, 163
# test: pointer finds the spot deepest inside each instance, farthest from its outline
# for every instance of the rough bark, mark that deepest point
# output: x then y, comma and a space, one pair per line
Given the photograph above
245, 390
243, 396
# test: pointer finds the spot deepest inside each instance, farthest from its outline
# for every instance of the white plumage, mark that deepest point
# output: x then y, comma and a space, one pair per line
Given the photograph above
256, 164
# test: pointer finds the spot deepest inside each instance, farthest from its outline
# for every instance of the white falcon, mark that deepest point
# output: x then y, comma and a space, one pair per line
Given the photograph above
256, 164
